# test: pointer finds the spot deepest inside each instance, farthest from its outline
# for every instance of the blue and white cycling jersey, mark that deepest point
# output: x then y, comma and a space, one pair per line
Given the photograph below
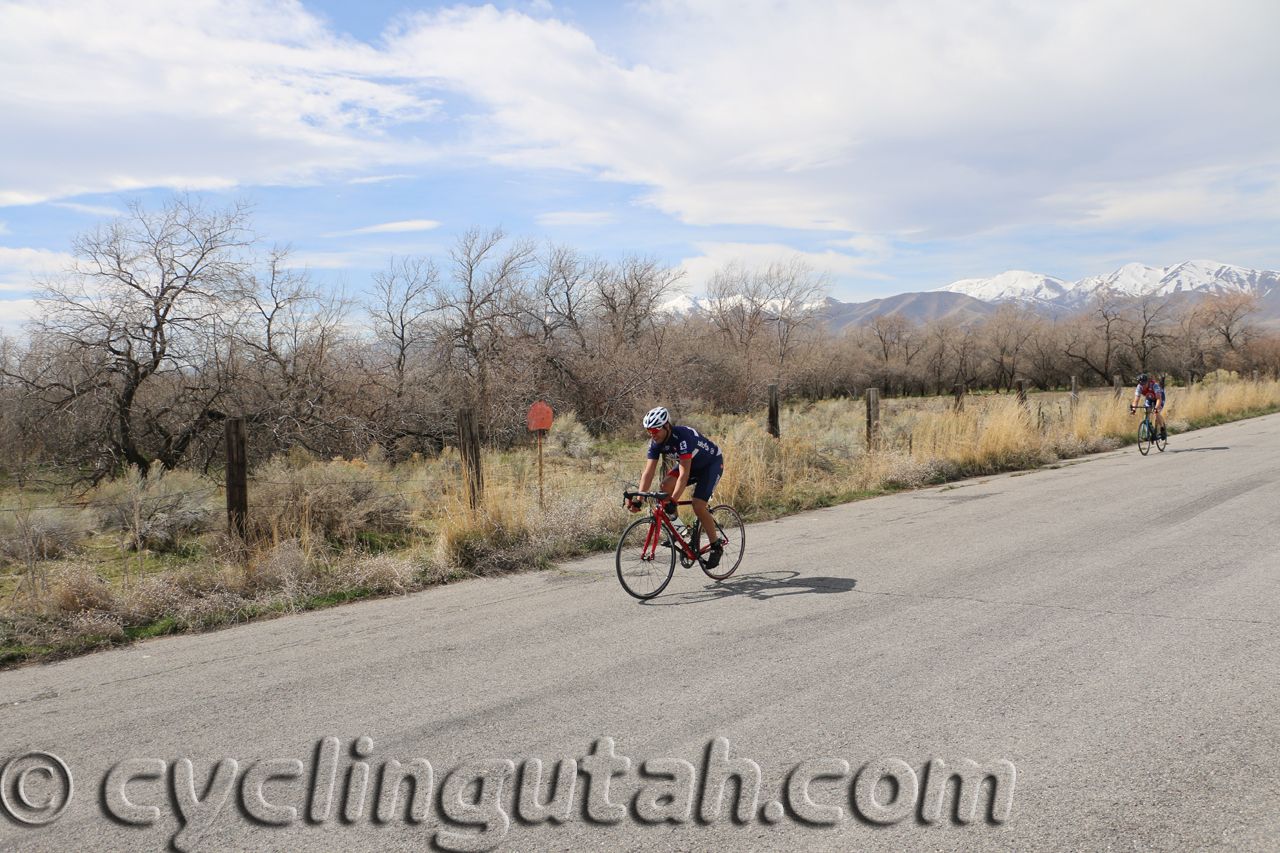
687, 443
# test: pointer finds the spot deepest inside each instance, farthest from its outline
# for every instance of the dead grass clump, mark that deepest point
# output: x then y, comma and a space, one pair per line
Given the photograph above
483, 542
193, 600
335, 499
78, 588
573, 523
283, 566
94, 627
387, 574
895, 469
194, 596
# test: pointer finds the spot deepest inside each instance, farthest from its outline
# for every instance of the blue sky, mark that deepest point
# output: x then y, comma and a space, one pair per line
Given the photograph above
897, 145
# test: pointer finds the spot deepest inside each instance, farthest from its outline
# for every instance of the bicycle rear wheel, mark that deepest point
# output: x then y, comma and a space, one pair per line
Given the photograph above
1144, 437
646, 559
1160, 442
734, 536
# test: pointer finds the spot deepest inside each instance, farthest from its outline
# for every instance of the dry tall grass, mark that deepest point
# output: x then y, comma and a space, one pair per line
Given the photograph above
1221, 393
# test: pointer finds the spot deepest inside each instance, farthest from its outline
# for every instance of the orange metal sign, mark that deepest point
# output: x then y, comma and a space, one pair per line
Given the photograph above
539, 416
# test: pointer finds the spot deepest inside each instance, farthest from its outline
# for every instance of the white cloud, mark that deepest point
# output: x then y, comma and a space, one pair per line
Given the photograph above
19, 267
569, 217
396, 227
377, 179
716, 256
927, 118
1217, 194
329, 260
91, 209
918, 116
200, 94
14, 313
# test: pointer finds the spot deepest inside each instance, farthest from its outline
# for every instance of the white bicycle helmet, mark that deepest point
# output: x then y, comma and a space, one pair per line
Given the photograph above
657, 417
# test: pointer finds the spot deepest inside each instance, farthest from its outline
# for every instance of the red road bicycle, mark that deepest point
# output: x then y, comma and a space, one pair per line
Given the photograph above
648, 549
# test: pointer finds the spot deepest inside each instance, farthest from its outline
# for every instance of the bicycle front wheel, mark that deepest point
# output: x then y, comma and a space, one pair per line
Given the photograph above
733, 534
1161, 443
1144, 438
646, 559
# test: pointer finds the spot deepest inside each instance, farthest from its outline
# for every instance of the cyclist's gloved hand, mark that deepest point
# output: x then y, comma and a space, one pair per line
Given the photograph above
670, 508
634, 504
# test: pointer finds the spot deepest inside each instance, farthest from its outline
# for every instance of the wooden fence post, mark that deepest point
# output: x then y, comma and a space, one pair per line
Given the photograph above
1115, 383
1255, 377
469, 448
1021, 386
773, 412
958, 391
237, 480
1075, 393
873, 417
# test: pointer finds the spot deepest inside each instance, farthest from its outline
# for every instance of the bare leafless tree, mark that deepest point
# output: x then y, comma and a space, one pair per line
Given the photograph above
128, 324
1093, 337
476, 310
1146, 333
293, 361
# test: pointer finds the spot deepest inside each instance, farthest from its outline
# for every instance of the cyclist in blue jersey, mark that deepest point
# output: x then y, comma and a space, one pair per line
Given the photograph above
1154, 394
700, 465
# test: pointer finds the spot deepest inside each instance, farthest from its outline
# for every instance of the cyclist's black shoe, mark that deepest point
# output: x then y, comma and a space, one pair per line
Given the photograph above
1164, 436
713, 559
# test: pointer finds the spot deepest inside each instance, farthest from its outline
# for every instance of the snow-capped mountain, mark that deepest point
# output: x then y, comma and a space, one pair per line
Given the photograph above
1130, 280
1014, 284
685, 305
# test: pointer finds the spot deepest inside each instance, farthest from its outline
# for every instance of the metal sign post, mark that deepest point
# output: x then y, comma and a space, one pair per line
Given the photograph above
539, 420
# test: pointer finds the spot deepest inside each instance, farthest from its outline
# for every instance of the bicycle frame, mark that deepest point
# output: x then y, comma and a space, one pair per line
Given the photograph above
664, 521
1148, 428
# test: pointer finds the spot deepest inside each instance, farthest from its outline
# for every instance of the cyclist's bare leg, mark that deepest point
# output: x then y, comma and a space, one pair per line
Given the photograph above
669, 481
701, 510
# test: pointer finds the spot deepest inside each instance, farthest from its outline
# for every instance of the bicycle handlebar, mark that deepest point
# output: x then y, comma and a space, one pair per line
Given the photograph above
659, 496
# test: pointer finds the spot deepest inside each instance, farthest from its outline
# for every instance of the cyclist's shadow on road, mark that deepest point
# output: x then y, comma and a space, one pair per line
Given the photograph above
758, 586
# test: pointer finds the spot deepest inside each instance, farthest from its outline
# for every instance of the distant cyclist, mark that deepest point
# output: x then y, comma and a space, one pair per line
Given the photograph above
700, 465
1150, 389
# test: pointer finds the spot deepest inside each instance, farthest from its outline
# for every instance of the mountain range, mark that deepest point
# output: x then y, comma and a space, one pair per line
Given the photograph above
1202, 277
975, 298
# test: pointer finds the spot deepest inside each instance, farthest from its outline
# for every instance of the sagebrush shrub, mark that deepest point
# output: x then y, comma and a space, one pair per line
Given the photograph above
41, 534
334, 499
157, 510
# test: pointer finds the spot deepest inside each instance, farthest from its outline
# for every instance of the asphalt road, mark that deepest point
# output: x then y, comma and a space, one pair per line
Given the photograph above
1103, 639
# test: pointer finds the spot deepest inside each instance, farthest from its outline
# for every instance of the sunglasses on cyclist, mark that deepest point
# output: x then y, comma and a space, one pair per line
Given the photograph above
657, 431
